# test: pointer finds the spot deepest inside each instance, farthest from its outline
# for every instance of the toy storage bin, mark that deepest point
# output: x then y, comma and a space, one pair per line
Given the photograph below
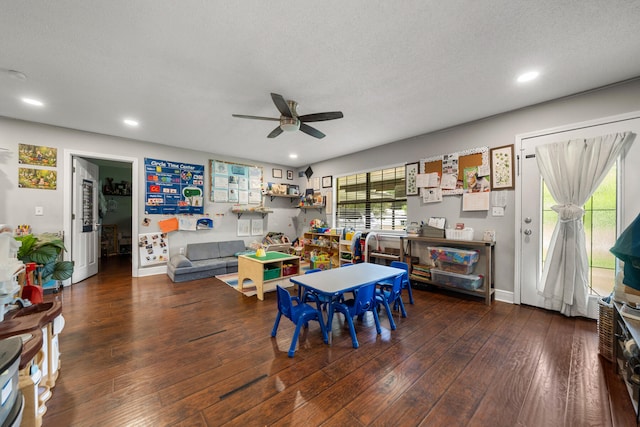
271, 273
464, 281
454, 255
464, 234
289, 270
454, 267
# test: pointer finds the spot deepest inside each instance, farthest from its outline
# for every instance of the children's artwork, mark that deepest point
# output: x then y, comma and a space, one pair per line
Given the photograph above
173, 187
256, 227
153, 248
43, 179
235, 183
37, 155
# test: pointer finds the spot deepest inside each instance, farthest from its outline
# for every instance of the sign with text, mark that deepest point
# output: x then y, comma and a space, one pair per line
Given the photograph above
173, 187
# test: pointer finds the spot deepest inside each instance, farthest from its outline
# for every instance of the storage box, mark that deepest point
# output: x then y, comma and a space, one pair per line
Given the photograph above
289, 270
464, 234
428, 231
454, 267
454, 255
464, 281
271, 273
322, 265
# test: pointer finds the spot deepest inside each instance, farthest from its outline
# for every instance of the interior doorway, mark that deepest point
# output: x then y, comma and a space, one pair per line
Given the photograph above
116, 220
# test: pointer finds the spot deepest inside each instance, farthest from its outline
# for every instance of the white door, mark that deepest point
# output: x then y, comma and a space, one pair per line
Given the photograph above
530, 219
85, 242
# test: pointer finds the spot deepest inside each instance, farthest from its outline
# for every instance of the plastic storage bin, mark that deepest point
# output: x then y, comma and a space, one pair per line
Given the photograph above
463, 281
271, 273
454, 255
289, 270
454, 267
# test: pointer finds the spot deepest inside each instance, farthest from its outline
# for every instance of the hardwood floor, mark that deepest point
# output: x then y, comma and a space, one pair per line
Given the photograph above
148, 352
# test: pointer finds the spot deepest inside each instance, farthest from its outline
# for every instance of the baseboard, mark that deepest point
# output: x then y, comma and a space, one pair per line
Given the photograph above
152, 271
503, 296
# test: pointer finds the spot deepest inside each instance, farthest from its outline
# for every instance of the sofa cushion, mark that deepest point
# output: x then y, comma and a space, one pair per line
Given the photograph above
200, 251
230, 247
180, 261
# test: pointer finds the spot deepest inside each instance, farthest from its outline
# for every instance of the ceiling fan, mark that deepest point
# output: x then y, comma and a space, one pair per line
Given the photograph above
290, 120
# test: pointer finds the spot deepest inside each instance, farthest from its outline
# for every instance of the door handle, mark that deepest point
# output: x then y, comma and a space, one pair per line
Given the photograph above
527, 231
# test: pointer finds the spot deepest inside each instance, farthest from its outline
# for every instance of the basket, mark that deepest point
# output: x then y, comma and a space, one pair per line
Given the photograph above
605, 329
465, 234
272, 273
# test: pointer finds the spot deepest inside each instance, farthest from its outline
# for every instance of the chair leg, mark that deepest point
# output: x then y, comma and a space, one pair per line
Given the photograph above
410, 292
377, 320
401, 304
352, 331
294, 340
275, 325
389, 314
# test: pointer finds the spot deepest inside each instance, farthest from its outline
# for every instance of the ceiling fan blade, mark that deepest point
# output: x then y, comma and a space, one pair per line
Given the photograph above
281, 104
277, 131
321, 117
311, 131
242, 116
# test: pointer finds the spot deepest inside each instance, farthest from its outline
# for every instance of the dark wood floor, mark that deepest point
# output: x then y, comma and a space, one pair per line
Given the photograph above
148, 352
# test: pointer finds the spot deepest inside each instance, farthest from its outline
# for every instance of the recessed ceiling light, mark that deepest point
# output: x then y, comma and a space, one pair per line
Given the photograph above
131, 122
528, 76
293, 156
32, 101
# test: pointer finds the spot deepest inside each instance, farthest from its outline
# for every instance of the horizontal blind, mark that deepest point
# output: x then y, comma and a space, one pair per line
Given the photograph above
374, 200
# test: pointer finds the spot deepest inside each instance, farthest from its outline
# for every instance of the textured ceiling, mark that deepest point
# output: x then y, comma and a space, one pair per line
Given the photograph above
395, 69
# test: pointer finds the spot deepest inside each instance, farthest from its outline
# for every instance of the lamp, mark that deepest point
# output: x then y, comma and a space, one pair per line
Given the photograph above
289, 124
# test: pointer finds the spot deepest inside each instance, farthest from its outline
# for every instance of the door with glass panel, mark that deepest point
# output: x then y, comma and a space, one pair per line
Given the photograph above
537, 220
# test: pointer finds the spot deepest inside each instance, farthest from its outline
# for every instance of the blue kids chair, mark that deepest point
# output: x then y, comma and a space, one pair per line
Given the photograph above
300, 314
365, 300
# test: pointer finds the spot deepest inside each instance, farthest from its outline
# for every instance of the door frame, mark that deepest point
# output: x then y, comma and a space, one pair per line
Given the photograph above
67, 211
621, 214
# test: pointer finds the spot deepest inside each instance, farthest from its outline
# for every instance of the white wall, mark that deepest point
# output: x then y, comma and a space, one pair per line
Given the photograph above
17, 205
494, 132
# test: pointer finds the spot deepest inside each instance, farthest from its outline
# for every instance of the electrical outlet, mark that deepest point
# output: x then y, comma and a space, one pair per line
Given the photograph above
39, 210
181, 251
497, 211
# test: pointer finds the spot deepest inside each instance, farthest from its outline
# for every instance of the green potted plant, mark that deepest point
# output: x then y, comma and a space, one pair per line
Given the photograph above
45, 250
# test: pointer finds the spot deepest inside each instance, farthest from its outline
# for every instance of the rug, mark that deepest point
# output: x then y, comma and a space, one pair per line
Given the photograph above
249, 289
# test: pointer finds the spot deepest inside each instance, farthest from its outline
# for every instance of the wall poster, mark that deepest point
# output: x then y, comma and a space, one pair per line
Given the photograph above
87, 206
43, 179
154, 248
173, 187
235, 183
37, 155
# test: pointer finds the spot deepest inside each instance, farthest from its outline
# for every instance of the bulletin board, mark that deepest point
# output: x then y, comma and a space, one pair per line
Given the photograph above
173, 187
153, 248
456, 163
235, 183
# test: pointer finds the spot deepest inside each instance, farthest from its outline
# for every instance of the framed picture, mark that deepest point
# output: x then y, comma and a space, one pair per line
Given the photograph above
327, 181
290, 175
502, 168
410, 178
276, 173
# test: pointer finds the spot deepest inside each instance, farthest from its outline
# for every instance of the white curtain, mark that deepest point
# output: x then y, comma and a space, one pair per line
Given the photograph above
572, 171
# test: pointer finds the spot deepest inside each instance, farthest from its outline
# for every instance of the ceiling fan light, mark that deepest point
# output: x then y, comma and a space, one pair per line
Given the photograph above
289, 124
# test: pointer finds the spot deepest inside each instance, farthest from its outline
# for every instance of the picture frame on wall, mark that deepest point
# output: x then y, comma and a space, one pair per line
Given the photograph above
502, 168
411, 178
290, 175
327, 181
276, 173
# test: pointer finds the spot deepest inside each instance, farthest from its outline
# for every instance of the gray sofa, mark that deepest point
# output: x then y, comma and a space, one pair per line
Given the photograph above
204, 260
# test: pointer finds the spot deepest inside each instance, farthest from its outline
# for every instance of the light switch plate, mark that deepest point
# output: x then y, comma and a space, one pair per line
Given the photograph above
39, 210
497, 211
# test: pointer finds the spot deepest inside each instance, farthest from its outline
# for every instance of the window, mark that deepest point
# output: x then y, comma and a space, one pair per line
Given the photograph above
599, 228
373, 200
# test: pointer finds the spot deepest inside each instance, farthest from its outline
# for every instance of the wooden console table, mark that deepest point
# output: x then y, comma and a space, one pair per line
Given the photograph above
486, 250
253, 268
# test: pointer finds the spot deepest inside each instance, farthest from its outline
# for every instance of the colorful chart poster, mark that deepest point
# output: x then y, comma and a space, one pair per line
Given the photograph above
173, 187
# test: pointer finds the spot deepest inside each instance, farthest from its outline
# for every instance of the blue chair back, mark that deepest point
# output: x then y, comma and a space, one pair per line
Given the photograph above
406, 284
400, 264
284, 302
365, 300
